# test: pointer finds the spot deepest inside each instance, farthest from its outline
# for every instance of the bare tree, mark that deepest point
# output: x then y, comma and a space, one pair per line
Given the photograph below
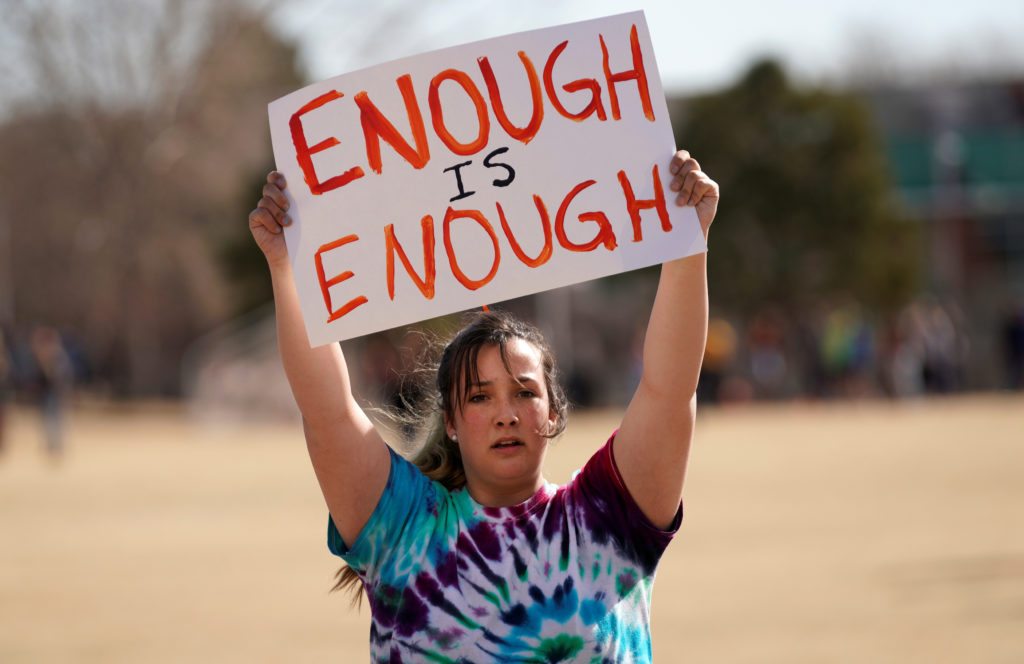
131, 128
349, 34
877, 55
132, 131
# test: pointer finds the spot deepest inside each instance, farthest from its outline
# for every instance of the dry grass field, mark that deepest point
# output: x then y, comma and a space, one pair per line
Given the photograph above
866, 532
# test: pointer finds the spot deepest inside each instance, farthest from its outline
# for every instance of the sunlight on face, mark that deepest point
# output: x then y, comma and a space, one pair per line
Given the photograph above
501, 425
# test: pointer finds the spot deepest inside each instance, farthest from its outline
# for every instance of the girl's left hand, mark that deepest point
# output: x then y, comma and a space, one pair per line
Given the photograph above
694, 188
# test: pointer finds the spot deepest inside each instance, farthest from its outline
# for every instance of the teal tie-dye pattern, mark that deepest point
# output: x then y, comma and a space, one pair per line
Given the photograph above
564, 577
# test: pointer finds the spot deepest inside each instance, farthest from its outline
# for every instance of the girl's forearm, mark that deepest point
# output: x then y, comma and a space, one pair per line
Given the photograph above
318, 376
677, 331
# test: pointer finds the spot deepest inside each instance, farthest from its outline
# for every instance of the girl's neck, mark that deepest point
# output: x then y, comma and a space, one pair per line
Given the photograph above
490, 495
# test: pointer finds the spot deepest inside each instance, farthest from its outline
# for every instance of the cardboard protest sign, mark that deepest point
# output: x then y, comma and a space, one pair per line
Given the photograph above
477, 174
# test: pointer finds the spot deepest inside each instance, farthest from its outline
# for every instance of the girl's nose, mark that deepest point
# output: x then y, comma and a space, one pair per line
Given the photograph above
507, 416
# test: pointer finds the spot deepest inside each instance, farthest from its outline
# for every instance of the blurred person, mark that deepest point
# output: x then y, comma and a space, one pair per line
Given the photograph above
6, 384
901, 355
1013, 346
806, 337
51, 384
847, 348
466, 553
769, 367
939, 370
719, 353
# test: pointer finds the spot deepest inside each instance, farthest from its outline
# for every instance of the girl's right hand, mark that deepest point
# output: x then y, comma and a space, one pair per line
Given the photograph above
268, 220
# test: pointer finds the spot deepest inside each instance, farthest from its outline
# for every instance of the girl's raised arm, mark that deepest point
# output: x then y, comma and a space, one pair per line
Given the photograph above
653, 442
349, 456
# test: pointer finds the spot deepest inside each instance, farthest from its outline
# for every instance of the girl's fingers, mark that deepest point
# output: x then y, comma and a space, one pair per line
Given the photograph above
686, 189
277, 178
701, 188
273, 192
685, 167
261, 217
272, 207
677, 161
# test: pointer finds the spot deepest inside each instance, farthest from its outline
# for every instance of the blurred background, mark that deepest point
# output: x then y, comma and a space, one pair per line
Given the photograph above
867, 267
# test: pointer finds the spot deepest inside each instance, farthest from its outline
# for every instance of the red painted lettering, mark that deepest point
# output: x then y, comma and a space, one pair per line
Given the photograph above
450, 216
437, 114
325, 284
304, 153
637, 73
574, 86
634, 206
545, 223
392, 246
527, 133
376, 127
605, 236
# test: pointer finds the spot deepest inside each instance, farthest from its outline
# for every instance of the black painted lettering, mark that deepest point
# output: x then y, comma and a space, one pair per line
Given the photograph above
458, 180
498, 164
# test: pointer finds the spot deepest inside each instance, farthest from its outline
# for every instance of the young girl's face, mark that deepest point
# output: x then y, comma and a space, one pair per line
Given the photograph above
501, 425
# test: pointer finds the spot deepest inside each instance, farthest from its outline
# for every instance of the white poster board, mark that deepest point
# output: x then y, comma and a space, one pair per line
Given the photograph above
477, 174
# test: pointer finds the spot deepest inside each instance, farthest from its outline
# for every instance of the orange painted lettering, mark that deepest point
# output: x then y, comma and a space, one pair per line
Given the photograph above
437, 114
526, 133
376, 127
450, 216
304, 153
545, 223
634, 206
574, 86
392, 246
605, 236
637, 73
325, 283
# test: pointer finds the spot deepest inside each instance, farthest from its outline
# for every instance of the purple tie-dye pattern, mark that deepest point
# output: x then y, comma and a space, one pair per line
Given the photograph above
563, 577
447, 571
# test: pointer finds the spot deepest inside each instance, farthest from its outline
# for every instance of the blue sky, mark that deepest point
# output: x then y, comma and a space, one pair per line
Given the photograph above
698, 45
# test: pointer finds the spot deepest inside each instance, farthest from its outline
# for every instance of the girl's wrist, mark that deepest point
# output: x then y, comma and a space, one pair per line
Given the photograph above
280, 268
280, 264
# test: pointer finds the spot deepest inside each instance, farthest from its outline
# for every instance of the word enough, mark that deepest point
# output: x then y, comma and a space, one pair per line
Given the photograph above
376, 127
605, 236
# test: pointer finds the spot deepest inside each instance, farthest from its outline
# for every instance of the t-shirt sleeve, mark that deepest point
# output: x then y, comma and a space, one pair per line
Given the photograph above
611, 514
401, 520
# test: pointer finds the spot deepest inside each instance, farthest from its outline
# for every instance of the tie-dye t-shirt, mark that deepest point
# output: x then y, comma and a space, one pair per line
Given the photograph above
564, 577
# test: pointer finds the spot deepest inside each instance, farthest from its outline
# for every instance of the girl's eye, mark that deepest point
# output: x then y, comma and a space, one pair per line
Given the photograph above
477, 398
528, 394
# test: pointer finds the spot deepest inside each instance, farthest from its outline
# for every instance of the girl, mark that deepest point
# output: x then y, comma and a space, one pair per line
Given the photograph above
467, 554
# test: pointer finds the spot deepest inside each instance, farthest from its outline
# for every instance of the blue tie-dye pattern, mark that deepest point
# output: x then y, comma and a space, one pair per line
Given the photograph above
564, 577
592, 610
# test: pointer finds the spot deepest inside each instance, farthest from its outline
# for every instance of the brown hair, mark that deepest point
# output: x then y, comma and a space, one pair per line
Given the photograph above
439, 457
